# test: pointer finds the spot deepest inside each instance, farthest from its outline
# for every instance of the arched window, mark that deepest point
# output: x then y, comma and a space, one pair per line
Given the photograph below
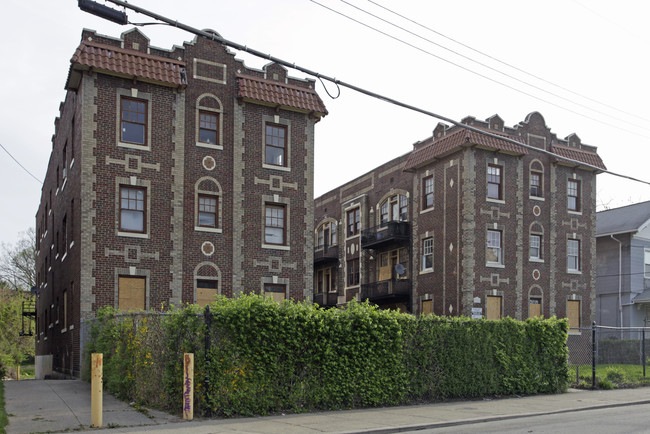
207, 283
394, 208
207, 195
536, 179
326, 234
209, 122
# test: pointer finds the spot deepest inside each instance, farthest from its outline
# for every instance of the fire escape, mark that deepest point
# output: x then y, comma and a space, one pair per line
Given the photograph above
28, 318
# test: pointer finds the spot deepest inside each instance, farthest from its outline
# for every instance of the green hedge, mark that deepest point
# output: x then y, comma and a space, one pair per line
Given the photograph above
267, 357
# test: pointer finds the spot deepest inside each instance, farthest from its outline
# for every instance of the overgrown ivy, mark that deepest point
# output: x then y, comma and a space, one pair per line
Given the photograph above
266, 357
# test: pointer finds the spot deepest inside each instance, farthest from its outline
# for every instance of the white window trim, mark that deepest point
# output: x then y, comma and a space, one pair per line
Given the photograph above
287, 150
135, 183
424, 270
501, 263
574, 270
133, 94
206, 229
219, 113
535, 258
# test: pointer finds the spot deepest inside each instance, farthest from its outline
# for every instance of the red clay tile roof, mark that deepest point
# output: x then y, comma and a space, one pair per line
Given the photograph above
457, 139
581, 155
127, 63
279, 94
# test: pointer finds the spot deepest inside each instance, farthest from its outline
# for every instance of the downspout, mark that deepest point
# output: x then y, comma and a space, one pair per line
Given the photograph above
620, 277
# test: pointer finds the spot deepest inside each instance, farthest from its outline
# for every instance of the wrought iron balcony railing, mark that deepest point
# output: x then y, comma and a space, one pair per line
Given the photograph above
326, 299
326, 253
386, 233
386, 289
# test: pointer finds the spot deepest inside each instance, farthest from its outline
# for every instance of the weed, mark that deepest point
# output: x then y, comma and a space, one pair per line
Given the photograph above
605, 384
615, 374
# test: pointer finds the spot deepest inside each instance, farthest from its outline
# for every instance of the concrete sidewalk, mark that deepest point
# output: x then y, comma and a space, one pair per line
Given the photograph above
35, 406
58, 405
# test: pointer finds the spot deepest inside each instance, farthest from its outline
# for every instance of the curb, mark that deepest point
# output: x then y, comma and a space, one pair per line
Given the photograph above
493, 418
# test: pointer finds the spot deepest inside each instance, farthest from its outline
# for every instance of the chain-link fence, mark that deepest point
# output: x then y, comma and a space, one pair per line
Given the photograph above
593, 349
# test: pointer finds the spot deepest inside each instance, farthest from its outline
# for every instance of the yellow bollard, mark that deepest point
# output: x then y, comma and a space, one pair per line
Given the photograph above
17, 372
96, 398
188, 386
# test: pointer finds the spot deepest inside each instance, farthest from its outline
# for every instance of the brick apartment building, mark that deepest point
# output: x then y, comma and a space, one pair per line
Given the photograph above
466, 224
175, 175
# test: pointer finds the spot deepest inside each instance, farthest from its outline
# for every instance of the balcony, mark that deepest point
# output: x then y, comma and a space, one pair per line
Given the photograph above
326, 299
326, 254
386, 291
385, 234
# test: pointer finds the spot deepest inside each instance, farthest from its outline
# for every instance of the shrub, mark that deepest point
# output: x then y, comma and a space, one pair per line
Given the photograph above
605, 384
268, 357
615, 375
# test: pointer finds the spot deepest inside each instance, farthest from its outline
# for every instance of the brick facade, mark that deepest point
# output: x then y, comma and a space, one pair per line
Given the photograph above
448, 267
85, 246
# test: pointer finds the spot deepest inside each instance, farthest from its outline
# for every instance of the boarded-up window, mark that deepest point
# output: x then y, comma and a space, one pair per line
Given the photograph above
206, 290
573, 313
493, 307
131, 292
427, 307
274, 292
534, 307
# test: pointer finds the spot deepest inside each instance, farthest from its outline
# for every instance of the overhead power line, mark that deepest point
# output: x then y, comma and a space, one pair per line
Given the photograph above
509, 65
498, 71
240, 47
18, 162
523, 92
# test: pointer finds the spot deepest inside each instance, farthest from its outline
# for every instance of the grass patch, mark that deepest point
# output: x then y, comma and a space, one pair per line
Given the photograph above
27, 371
4, 421
609, 376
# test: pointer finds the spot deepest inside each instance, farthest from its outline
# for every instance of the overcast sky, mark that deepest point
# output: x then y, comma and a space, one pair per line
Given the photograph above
587, 62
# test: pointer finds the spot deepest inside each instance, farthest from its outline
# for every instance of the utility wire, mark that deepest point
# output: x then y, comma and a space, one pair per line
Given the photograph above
484, 65
237, 46
23, 167
508, 64
477, 73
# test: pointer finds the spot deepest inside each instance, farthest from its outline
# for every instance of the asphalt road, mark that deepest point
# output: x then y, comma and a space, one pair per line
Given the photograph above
628, 419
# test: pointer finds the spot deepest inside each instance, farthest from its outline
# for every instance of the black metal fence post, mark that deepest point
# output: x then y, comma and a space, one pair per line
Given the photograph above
593, 355
643, 349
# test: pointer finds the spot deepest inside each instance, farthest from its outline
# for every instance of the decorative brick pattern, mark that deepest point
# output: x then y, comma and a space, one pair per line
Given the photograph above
172, 166
460, 218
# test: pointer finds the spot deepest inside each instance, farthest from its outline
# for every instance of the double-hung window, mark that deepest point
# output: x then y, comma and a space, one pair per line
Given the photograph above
494, 182
573, 255
275, 225
427, 254
354, 222
208, 211
573, 195
276, 145
427, 189
494, 252
535, 248
353, 272
208, 127
133, 121
394, 208
132, 209
646, 264
536, 184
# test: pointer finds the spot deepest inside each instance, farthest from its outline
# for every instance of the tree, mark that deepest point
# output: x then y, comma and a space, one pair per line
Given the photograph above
17, 263
14, 348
